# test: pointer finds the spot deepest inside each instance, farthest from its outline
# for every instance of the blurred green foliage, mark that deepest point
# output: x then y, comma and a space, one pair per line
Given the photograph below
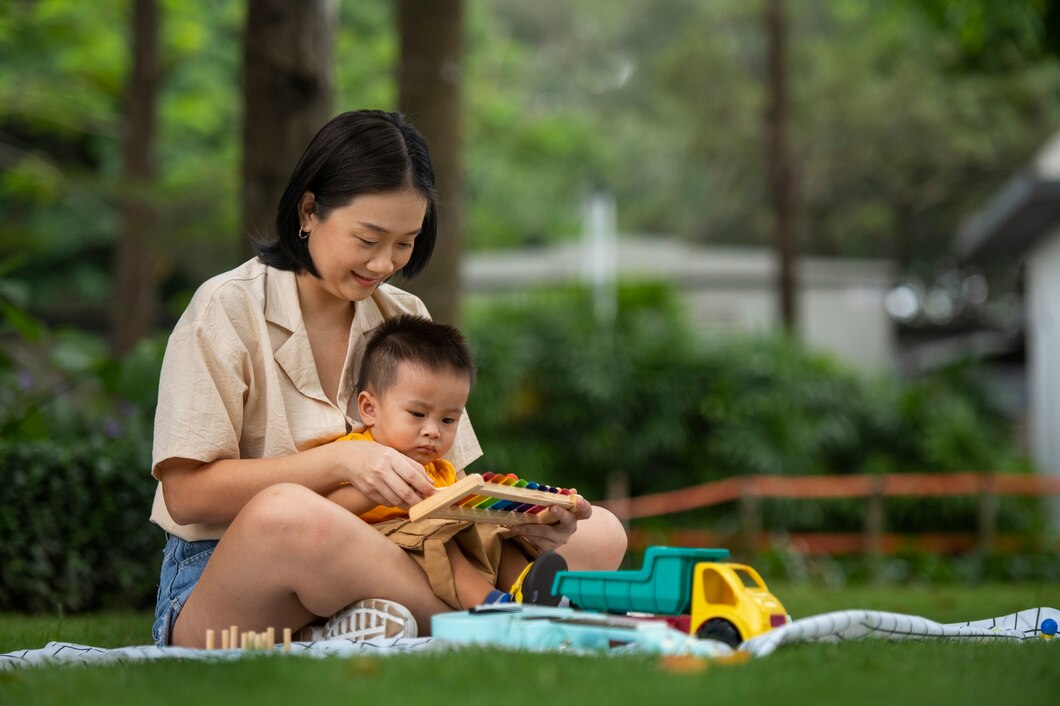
565, 398
75, 454
908, 568
563, 395
73, 529
897, 135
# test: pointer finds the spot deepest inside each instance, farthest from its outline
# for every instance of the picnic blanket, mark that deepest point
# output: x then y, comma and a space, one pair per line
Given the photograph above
828, 627
853, 624
70, 653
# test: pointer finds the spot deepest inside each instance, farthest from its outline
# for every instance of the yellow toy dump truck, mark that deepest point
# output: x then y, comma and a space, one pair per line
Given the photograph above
691, 589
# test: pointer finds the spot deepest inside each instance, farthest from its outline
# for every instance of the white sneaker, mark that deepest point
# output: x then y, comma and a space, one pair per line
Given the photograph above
369, 619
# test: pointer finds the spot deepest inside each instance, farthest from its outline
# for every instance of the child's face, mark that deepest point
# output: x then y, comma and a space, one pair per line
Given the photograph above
418, 415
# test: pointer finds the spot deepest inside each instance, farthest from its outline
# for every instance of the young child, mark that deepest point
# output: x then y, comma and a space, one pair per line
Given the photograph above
415, 379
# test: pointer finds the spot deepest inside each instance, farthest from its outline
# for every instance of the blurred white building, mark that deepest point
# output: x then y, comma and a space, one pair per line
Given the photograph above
1021, 222
725, 289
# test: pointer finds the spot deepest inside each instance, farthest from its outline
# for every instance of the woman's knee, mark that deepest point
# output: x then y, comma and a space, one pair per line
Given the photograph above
292, 513
599, 544
612, 537
283, 502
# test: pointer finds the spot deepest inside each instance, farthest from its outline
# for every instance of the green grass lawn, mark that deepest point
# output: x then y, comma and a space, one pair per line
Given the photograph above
861, 672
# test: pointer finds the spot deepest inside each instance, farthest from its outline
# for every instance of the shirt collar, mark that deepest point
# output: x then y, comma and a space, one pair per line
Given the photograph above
281, 299
295, 355
282, 309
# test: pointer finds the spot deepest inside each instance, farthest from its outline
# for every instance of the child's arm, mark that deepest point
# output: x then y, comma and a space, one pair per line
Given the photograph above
350, 498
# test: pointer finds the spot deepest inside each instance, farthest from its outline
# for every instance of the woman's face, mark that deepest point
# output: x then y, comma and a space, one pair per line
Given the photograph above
360, 245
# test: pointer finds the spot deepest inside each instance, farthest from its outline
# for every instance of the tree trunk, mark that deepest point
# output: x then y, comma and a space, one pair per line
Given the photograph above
778, 159
134, 299
288, 91
430, 95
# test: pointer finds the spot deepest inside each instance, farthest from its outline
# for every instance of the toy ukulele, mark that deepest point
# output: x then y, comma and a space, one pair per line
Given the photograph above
492, 497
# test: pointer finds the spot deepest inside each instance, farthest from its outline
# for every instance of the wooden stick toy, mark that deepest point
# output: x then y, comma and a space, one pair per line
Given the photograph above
490, 497
232, 639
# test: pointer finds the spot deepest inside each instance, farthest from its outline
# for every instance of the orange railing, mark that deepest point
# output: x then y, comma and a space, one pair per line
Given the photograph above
873, 489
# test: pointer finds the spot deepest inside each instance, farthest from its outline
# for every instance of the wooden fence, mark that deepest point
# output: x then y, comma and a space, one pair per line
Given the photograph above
748, 492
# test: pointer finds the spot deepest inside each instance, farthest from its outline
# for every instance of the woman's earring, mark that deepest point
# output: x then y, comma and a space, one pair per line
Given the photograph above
303, 234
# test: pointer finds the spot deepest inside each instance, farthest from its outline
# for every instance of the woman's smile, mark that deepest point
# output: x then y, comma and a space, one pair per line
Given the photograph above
369, 282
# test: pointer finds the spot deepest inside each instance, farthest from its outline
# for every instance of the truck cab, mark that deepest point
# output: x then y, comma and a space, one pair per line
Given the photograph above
730, 602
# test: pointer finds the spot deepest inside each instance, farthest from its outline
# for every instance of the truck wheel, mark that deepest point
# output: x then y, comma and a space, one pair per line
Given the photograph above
721, 630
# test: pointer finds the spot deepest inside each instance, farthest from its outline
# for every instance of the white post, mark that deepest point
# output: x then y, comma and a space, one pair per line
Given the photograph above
601, 257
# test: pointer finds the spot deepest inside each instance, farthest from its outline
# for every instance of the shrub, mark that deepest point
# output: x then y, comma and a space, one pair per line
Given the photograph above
565, 398
75, 454
73, 524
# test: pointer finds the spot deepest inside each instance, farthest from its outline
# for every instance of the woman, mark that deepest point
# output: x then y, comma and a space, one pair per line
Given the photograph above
258, 381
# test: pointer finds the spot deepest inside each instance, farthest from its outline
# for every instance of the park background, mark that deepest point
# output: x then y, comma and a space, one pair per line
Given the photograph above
140, 141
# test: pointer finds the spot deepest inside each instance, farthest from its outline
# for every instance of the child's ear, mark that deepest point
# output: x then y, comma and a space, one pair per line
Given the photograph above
366, 407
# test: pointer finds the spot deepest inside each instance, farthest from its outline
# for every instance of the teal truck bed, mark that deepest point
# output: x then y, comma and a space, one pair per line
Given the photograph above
662, 585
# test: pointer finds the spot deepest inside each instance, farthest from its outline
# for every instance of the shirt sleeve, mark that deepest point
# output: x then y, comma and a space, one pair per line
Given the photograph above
465, 447
202, 389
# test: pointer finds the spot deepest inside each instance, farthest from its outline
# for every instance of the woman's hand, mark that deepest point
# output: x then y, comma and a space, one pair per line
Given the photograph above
552, 536
384, 475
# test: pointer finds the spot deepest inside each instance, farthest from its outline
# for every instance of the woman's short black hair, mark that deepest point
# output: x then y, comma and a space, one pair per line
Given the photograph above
356, 153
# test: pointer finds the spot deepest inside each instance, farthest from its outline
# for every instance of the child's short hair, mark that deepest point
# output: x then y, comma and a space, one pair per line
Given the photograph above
417, 340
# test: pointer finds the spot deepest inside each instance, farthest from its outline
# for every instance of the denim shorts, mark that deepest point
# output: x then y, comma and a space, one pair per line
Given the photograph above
182, 565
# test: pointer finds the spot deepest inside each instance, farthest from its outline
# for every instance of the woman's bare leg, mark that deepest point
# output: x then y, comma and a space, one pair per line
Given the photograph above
291, 556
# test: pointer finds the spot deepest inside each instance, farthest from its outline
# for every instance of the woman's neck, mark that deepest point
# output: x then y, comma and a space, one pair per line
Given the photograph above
320, 307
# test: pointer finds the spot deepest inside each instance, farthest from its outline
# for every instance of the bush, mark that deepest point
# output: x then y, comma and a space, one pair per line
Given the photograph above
567, 399
75, 457
73, 524
561, 398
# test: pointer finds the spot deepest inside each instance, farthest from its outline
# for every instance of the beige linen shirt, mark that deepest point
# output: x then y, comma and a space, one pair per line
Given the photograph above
239, 380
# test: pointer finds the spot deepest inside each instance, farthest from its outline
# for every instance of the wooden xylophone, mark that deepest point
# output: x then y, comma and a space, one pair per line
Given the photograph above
491, 497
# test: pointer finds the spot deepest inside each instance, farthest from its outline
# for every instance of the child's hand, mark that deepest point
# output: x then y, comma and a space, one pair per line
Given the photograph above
555, 535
